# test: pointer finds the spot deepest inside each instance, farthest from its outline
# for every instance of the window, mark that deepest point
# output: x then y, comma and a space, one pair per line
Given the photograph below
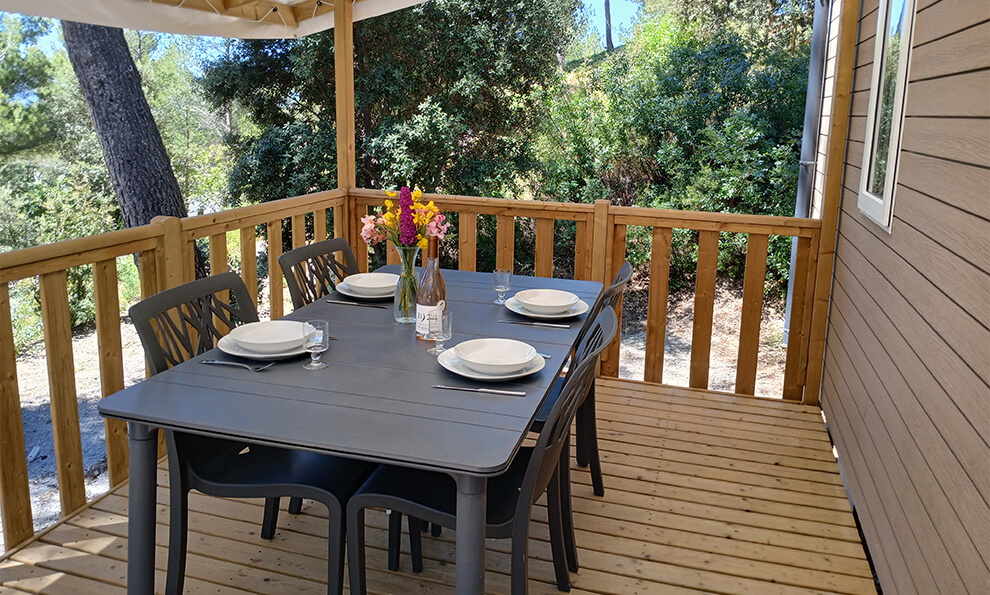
895, 23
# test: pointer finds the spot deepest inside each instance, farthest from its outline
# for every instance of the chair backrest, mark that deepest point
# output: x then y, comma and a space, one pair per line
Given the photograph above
546, 452
608, 298
312, 271
185, 321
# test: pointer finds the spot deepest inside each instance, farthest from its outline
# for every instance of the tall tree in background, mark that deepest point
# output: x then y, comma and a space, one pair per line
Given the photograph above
608, 28
140, 170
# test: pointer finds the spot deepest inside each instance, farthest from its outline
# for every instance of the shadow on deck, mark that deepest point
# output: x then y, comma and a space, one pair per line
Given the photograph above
705, 492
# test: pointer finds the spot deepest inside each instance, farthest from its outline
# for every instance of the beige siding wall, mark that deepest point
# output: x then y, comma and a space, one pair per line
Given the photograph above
906, 387
828, 100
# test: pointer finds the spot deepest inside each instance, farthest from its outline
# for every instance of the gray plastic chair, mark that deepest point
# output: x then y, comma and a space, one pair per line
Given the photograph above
312, 271
180, 323
432, 496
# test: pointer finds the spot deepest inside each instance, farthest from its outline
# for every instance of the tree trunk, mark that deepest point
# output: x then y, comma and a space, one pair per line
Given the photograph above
608, 28
139, 167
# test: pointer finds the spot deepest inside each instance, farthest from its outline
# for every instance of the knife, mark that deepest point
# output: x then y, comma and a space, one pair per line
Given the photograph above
492, 391
343, 303
544, 324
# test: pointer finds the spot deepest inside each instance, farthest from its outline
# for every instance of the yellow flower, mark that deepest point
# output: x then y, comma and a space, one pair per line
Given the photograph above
388, 204
391, 194
423, 243
416, 194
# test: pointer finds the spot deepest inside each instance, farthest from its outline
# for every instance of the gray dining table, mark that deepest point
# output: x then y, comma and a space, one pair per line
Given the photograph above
374, 402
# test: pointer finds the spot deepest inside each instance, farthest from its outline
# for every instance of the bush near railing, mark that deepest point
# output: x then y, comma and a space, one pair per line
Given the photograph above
490, 233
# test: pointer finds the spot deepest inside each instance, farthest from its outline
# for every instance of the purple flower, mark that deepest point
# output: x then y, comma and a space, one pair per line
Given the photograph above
407, 228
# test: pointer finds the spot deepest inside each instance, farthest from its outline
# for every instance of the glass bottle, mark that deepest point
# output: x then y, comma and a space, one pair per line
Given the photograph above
432, 290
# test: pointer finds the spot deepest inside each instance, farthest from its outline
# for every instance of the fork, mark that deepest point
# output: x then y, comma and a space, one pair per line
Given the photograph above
221, 362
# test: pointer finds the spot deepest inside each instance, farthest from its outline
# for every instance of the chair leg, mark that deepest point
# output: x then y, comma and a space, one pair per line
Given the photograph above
520, 557
270, 521
394, 536
591, 438
355, 551
295, 505
335, 554
415, 543
581, 443
566, 511
557, 533
177, 534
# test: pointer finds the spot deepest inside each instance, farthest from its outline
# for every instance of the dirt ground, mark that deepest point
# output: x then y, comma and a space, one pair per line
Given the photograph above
33, 380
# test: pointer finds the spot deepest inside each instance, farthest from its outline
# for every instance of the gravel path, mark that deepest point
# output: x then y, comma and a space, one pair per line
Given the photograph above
33, 381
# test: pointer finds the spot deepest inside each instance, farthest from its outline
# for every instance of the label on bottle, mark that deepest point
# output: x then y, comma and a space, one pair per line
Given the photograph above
426, 316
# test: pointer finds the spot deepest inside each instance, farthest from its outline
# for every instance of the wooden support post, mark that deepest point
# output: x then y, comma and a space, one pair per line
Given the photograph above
795, 340
274, 272
704, 309
599, 238
249, 261
111, 362
62, 387
467, 241
832, 201
170, 252
544, 247
343, 39
656, 318
15, 495
617, 256
505, 242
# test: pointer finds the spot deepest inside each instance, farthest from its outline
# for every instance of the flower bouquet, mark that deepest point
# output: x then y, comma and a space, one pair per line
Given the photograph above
407, 225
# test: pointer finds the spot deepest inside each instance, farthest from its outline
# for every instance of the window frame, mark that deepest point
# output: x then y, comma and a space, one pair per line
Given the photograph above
880, 209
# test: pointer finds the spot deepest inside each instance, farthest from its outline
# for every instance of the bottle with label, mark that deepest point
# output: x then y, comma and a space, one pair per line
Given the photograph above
432, 290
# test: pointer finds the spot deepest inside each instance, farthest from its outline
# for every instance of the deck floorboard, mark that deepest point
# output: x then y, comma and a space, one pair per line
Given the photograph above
706, 492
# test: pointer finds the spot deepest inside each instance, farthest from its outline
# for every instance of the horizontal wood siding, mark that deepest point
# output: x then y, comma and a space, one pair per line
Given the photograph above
906, 387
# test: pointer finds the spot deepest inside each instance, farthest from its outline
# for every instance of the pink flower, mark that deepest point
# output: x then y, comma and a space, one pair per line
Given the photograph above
370, 233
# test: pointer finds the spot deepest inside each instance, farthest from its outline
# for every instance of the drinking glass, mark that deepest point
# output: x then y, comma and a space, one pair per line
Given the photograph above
440, 330
317, 341
502, 283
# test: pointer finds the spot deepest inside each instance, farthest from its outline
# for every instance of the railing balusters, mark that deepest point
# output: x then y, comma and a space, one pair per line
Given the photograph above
298, 230
544, 247
704, 308
467, 241
274, 272
582, 268
218, 265
249, 260
752, 313
319, 224
15, 495
62, 386
391, 253
360, 248
505, 242
656, 317
111, 361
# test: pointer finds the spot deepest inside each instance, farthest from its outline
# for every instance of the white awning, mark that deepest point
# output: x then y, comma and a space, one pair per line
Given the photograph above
222, 18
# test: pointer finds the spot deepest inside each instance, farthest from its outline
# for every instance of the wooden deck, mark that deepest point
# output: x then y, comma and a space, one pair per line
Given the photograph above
705, 492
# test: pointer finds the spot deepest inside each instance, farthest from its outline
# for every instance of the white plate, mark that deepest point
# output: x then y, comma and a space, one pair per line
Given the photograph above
343, 289
274, 336
372, 284
546, 301
230, 347
495, 356
449, 360
576, 310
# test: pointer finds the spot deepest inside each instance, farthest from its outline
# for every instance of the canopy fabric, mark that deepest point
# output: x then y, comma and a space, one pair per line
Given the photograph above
222, 18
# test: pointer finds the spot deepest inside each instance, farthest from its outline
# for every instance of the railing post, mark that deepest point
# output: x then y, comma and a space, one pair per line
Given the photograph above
599, 251
170, 260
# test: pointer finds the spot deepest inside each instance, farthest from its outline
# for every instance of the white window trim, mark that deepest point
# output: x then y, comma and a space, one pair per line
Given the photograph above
880, 209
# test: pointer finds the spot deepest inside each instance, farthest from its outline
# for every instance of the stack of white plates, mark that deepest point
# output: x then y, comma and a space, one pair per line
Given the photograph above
369, 286
492, 359
546, 303
266, 340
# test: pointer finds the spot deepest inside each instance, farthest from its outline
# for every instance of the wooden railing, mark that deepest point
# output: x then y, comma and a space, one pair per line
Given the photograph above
166, 251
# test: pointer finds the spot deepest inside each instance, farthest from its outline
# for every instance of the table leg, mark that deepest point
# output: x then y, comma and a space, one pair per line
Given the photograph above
143, 442
471, 504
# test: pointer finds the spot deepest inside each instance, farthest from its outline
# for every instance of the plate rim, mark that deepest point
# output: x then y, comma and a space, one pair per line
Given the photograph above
360, 296
392, 290
540, 364
530, 314
225, 341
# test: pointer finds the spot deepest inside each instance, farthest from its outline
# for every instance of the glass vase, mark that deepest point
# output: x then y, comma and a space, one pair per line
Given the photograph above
405, 289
